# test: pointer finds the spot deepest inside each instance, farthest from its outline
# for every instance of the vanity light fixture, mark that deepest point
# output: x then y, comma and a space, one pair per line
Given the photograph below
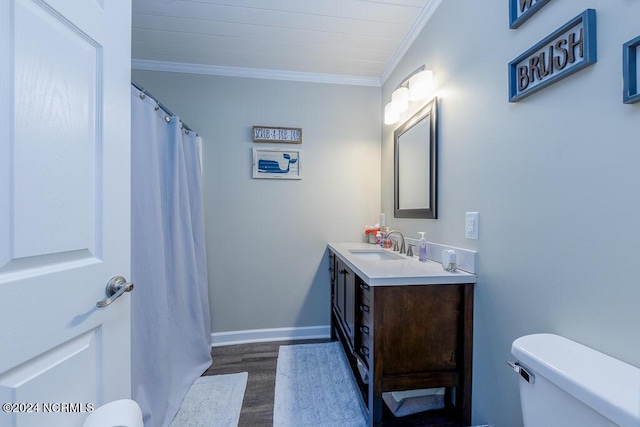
390, 114
421, 85
400, 99
416, 86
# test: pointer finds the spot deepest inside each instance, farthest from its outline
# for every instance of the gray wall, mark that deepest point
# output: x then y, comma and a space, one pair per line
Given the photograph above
554, 177
266, 239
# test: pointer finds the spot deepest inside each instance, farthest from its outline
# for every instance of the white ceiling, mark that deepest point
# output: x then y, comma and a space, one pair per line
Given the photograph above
345, 41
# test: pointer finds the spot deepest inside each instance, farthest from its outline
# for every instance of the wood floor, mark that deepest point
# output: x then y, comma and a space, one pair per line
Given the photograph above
259, 360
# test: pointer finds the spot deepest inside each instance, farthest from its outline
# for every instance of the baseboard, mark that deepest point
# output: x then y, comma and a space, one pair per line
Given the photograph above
265, 335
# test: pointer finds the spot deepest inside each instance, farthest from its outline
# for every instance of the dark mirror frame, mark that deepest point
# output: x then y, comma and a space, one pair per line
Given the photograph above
430, 111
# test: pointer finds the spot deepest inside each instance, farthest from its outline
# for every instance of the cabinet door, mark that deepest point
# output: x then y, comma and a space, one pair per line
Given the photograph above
350, 304
333, 273
339, 291
344, 302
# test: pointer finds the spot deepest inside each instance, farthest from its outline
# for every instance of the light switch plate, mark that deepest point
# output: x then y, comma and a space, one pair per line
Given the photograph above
471, 225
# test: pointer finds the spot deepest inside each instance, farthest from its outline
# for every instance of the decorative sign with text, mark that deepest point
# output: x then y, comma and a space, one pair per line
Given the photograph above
567, 50
277, 134
521, 10
630, 71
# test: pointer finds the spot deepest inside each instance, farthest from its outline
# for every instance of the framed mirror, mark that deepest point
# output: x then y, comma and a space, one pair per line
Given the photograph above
415, 174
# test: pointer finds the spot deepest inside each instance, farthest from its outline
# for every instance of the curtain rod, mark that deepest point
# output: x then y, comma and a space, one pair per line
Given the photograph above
165, 109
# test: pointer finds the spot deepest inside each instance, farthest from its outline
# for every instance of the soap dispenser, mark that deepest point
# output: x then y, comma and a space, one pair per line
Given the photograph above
422, 247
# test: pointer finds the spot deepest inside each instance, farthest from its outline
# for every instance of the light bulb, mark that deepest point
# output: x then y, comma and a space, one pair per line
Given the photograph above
390, 114
421, 85
400, 99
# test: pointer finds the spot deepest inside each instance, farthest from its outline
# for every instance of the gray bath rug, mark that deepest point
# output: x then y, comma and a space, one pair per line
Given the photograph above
315, 387
213, 401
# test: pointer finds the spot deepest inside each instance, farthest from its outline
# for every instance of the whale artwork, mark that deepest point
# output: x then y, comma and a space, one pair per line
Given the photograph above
273, 166
276, 164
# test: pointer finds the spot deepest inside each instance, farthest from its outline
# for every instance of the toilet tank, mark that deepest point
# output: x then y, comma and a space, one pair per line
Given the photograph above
573, 385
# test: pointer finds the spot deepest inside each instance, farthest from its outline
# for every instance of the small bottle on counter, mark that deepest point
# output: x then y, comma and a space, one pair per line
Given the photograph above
379, 238
422, 247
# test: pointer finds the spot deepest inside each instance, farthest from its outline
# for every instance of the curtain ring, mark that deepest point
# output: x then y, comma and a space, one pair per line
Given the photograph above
186, 131
167, 119
142, 95
157, 107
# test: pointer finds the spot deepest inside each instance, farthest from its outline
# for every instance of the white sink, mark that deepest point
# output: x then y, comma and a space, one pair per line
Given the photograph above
375, 255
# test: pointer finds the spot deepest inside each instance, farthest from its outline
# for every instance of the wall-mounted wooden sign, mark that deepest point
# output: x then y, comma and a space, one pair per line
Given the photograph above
521, 10
630, 71
570, 48
277, 134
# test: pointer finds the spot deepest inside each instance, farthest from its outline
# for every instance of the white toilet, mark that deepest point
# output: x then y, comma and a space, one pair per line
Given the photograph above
566, 384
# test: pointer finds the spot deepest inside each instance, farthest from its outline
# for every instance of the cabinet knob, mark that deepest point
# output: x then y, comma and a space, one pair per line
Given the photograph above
343, 271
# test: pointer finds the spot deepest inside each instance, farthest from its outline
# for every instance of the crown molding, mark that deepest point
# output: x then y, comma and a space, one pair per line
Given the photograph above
253, 73
422, 19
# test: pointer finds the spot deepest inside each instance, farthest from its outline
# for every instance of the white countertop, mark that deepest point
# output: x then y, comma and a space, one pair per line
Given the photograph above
406, 271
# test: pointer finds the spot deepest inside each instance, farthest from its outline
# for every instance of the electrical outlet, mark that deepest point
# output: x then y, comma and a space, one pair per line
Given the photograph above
471, 225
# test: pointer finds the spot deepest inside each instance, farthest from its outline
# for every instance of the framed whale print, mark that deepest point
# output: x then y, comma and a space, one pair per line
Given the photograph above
276, 163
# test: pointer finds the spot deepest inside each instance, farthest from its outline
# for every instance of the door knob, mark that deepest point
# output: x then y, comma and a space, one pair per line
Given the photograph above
115, 288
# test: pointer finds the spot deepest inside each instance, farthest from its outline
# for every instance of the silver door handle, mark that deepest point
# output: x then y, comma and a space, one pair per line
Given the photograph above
115, 288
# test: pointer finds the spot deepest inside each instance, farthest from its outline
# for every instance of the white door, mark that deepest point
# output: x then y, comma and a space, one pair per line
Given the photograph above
64, 208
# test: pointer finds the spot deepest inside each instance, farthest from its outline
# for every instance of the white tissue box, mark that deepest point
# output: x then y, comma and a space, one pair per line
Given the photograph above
403, 403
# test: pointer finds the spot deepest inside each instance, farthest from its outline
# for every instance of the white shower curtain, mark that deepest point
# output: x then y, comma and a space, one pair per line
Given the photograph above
170, 332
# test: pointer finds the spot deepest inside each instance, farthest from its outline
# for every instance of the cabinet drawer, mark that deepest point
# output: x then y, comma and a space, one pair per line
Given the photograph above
364, 343
364, 300
365, 350
365, 310
365, 331
365, 290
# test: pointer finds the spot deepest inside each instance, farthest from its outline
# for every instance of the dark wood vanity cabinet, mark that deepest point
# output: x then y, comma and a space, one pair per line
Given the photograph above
404, 338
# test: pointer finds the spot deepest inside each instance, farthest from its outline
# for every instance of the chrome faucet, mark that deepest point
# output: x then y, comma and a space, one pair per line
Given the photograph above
386, 236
